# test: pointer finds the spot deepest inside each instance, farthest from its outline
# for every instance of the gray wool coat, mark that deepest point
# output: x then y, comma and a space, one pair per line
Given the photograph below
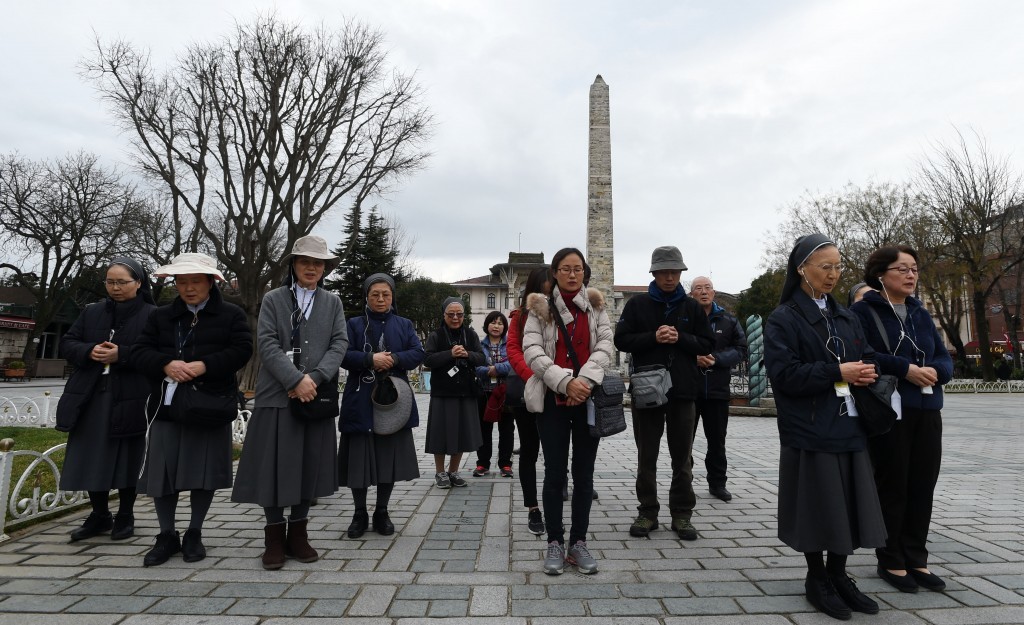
324, 342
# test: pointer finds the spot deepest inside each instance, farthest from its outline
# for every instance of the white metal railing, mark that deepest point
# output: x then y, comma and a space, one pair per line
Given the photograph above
24, 411
22, 506
981, 386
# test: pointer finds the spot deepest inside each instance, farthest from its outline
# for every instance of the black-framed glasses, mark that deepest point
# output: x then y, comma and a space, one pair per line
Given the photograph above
566, 270
905, 270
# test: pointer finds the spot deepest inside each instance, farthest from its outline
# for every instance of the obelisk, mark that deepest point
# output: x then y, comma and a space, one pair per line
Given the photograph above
600, 240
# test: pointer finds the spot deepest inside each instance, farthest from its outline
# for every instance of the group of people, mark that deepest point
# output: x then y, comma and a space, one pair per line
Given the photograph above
536, 370
840, 490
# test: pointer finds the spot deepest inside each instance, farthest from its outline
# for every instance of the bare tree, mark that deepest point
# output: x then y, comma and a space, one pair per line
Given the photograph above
260, 135
61, 220
973, 196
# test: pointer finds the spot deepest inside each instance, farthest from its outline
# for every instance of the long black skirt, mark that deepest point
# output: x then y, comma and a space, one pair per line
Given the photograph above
828, 501
453, 425
368, 459
95, 461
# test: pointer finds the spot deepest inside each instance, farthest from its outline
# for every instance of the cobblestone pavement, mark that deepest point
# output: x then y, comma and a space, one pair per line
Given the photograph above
465, 556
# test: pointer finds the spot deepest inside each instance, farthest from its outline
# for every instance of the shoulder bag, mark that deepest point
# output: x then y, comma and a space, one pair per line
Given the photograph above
605, 398
649, 385
874, 404
325, 405
193, 404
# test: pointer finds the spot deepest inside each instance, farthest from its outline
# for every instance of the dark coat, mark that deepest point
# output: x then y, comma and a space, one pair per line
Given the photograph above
128, 385
803, 374
440, 361
635, 333
730, 350
401, 340
922, 331
221, 339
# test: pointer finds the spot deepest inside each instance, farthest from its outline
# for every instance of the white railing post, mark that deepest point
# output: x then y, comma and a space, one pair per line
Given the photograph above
6, 466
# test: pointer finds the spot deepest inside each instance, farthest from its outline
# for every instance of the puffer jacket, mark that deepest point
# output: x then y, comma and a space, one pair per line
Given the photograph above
730, 350
539, 340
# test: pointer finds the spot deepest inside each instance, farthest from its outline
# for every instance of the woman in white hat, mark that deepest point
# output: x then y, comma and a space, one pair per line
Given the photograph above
193, 346
290, 454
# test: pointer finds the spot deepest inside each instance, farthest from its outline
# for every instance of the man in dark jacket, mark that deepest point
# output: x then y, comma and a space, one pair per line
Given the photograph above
665, 327
713, 390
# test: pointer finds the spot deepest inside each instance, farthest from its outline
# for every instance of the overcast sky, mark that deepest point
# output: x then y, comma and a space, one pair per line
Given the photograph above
721, 112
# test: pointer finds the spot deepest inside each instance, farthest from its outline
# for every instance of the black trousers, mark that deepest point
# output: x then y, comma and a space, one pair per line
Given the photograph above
906, 462
677, 419
559, 426
716, 422
529, 450
506, 438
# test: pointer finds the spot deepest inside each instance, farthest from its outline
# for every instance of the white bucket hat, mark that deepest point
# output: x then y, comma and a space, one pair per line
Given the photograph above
313, 247
190, 262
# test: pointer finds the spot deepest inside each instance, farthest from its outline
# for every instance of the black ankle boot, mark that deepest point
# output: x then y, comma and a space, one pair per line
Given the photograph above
192, 549
852, 596
382, 523
124, 527
360, 521
167, 544
95, 524
822, 595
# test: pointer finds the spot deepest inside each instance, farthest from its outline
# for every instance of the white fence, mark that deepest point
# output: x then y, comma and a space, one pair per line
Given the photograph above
22, 496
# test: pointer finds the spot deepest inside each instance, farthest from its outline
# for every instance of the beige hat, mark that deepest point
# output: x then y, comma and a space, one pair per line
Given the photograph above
313, 247
190, 262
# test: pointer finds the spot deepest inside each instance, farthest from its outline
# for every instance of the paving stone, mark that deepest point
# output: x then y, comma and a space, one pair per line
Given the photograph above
38, 603
171, 619
702, 605
489, 601
263, 590
448, 608
406, 607
36, 618
623, 607
113, 604
1006, 615
269, 607
654, 590
177, 589
372, 601
107, 587
191, 605
333, 608
321, 591
432, 592
564, 607
35, 586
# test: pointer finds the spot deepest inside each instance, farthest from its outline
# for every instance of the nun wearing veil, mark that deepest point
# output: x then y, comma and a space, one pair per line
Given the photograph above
814, 351
103, 408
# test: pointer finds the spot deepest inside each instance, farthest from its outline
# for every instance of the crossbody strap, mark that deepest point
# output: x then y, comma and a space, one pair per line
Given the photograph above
881, 328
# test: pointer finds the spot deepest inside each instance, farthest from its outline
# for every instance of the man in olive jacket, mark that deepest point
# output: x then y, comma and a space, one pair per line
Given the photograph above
665, 327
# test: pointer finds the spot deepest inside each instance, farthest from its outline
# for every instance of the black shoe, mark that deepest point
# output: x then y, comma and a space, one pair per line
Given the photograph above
904, 583
593, 495
124, 527
360, 521
721, 492
95, 524
192, 549
382, 523
822, 595
852, 596
515, 452
167, 544
930, 581
535, 522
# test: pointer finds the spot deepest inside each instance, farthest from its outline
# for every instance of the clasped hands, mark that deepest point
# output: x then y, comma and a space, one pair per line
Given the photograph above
577, 392
858, 373
304, 391
181, 371
105, 352
922, 376
382, 361
666, 334
459, 351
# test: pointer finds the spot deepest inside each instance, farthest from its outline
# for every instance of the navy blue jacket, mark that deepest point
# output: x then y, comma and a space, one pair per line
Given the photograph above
401, 340
803, 373
920, 330
730, 350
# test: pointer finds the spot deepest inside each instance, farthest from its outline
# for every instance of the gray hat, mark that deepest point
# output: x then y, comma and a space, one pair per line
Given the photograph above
313, 247
392, 401
667, 257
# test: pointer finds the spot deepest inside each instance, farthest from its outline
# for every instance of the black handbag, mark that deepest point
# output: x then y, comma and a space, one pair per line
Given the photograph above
324, 406
193, 404
515, 391
606, 397
874, 404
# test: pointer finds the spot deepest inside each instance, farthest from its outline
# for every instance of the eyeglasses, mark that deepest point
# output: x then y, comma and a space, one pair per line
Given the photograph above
118, 283
829, 268
455, 315
905, 270
569, 270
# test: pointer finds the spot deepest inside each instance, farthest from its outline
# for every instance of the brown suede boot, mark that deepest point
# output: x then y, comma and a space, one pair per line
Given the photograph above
273, 539
297, 546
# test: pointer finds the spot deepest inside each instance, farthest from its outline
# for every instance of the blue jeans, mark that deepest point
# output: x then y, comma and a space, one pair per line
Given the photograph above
557, 426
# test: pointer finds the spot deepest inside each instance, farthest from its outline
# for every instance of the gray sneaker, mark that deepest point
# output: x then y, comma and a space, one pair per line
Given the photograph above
456, 479
580, 556
554, 561
441, 480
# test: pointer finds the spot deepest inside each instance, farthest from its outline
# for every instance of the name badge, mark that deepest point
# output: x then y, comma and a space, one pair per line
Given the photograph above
454, 371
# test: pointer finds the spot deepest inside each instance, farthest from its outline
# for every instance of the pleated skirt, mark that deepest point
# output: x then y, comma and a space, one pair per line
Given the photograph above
286, 460
368, 459
186, 457
453, 425
828, 501
95, 461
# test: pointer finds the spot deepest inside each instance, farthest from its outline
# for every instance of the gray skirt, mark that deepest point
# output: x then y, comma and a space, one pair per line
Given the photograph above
828, 501
186, 457
286, 460
94, 461
453, 425
366, 460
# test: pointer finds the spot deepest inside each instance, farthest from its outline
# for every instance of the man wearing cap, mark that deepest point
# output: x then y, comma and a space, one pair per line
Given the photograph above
713, 390
665, 327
